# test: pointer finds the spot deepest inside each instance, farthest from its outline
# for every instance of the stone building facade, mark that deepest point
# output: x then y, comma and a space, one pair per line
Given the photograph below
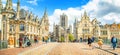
62, 29
114, 29
21, 23
86, 28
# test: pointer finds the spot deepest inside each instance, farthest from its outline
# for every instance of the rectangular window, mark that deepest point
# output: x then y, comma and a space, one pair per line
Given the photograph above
22, 27
31, 28
27, 27
10, 27
104, 32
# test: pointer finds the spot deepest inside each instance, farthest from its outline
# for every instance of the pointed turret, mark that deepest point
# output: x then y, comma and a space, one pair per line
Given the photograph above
45, 17
1, 6
85, 13
45, 13
85, 16
18, 9
9, 5
75, 20
36, 18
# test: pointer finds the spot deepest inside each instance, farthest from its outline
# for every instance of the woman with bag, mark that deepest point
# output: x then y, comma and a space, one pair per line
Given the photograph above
100, 42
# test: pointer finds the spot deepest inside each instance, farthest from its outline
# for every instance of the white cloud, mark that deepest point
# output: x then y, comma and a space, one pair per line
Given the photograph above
112, 17
34, 2
3, 1
106, 11
27, 8
72, 13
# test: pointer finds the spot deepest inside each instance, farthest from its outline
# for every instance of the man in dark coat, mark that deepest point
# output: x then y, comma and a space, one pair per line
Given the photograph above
114, 42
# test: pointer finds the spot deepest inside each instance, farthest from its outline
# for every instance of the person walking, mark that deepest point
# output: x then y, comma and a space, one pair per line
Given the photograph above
20, 42
35, 39
26, 40
80, 39
100, 42
93, 38
89, 42
114, 42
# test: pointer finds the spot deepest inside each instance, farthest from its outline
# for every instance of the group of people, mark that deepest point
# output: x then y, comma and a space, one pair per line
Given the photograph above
24, 41
100, 42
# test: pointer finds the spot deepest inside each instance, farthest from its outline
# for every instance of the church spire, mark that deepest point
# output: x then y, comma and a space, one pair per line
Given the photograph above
45, 17
9, 4
85, 16
45, 13
75, 20
85, 13
18, 9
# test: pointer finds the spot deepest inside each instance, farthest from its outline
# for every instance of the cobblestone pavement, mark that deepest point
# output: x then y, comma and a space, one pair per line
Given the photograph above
41, 50
77, 49
55, 48
15, 51
108, 48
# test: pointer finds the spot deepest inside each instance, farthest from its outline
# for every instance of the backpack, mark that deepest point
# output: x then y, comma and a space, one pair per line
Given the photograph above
114, 40
92, 39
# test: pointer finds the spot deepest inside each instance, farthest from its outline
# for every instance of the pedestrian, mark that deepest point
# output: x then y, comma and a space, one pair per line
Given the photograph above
20, 42
100, 42
25, 41
35, 39
114, 42
28, 42
80, 39
89, 42
93, 38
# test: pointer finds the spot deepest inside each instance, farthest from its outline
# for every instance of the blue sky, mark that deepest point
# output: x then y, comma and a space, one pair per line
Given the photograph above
38, 6
105, 11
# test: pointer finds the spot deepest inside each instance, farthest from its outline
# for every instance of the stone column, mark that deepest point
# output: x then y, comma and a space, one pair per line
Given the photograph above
16, 35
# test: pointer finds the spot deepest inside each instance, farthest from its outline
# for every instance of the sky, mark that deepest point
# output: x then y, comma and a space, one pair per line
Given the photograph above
105, 11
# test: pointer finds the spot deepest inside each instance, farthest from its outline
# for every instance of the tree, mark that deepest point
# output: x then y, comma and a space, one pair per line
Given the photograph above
62, 39
71, 38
